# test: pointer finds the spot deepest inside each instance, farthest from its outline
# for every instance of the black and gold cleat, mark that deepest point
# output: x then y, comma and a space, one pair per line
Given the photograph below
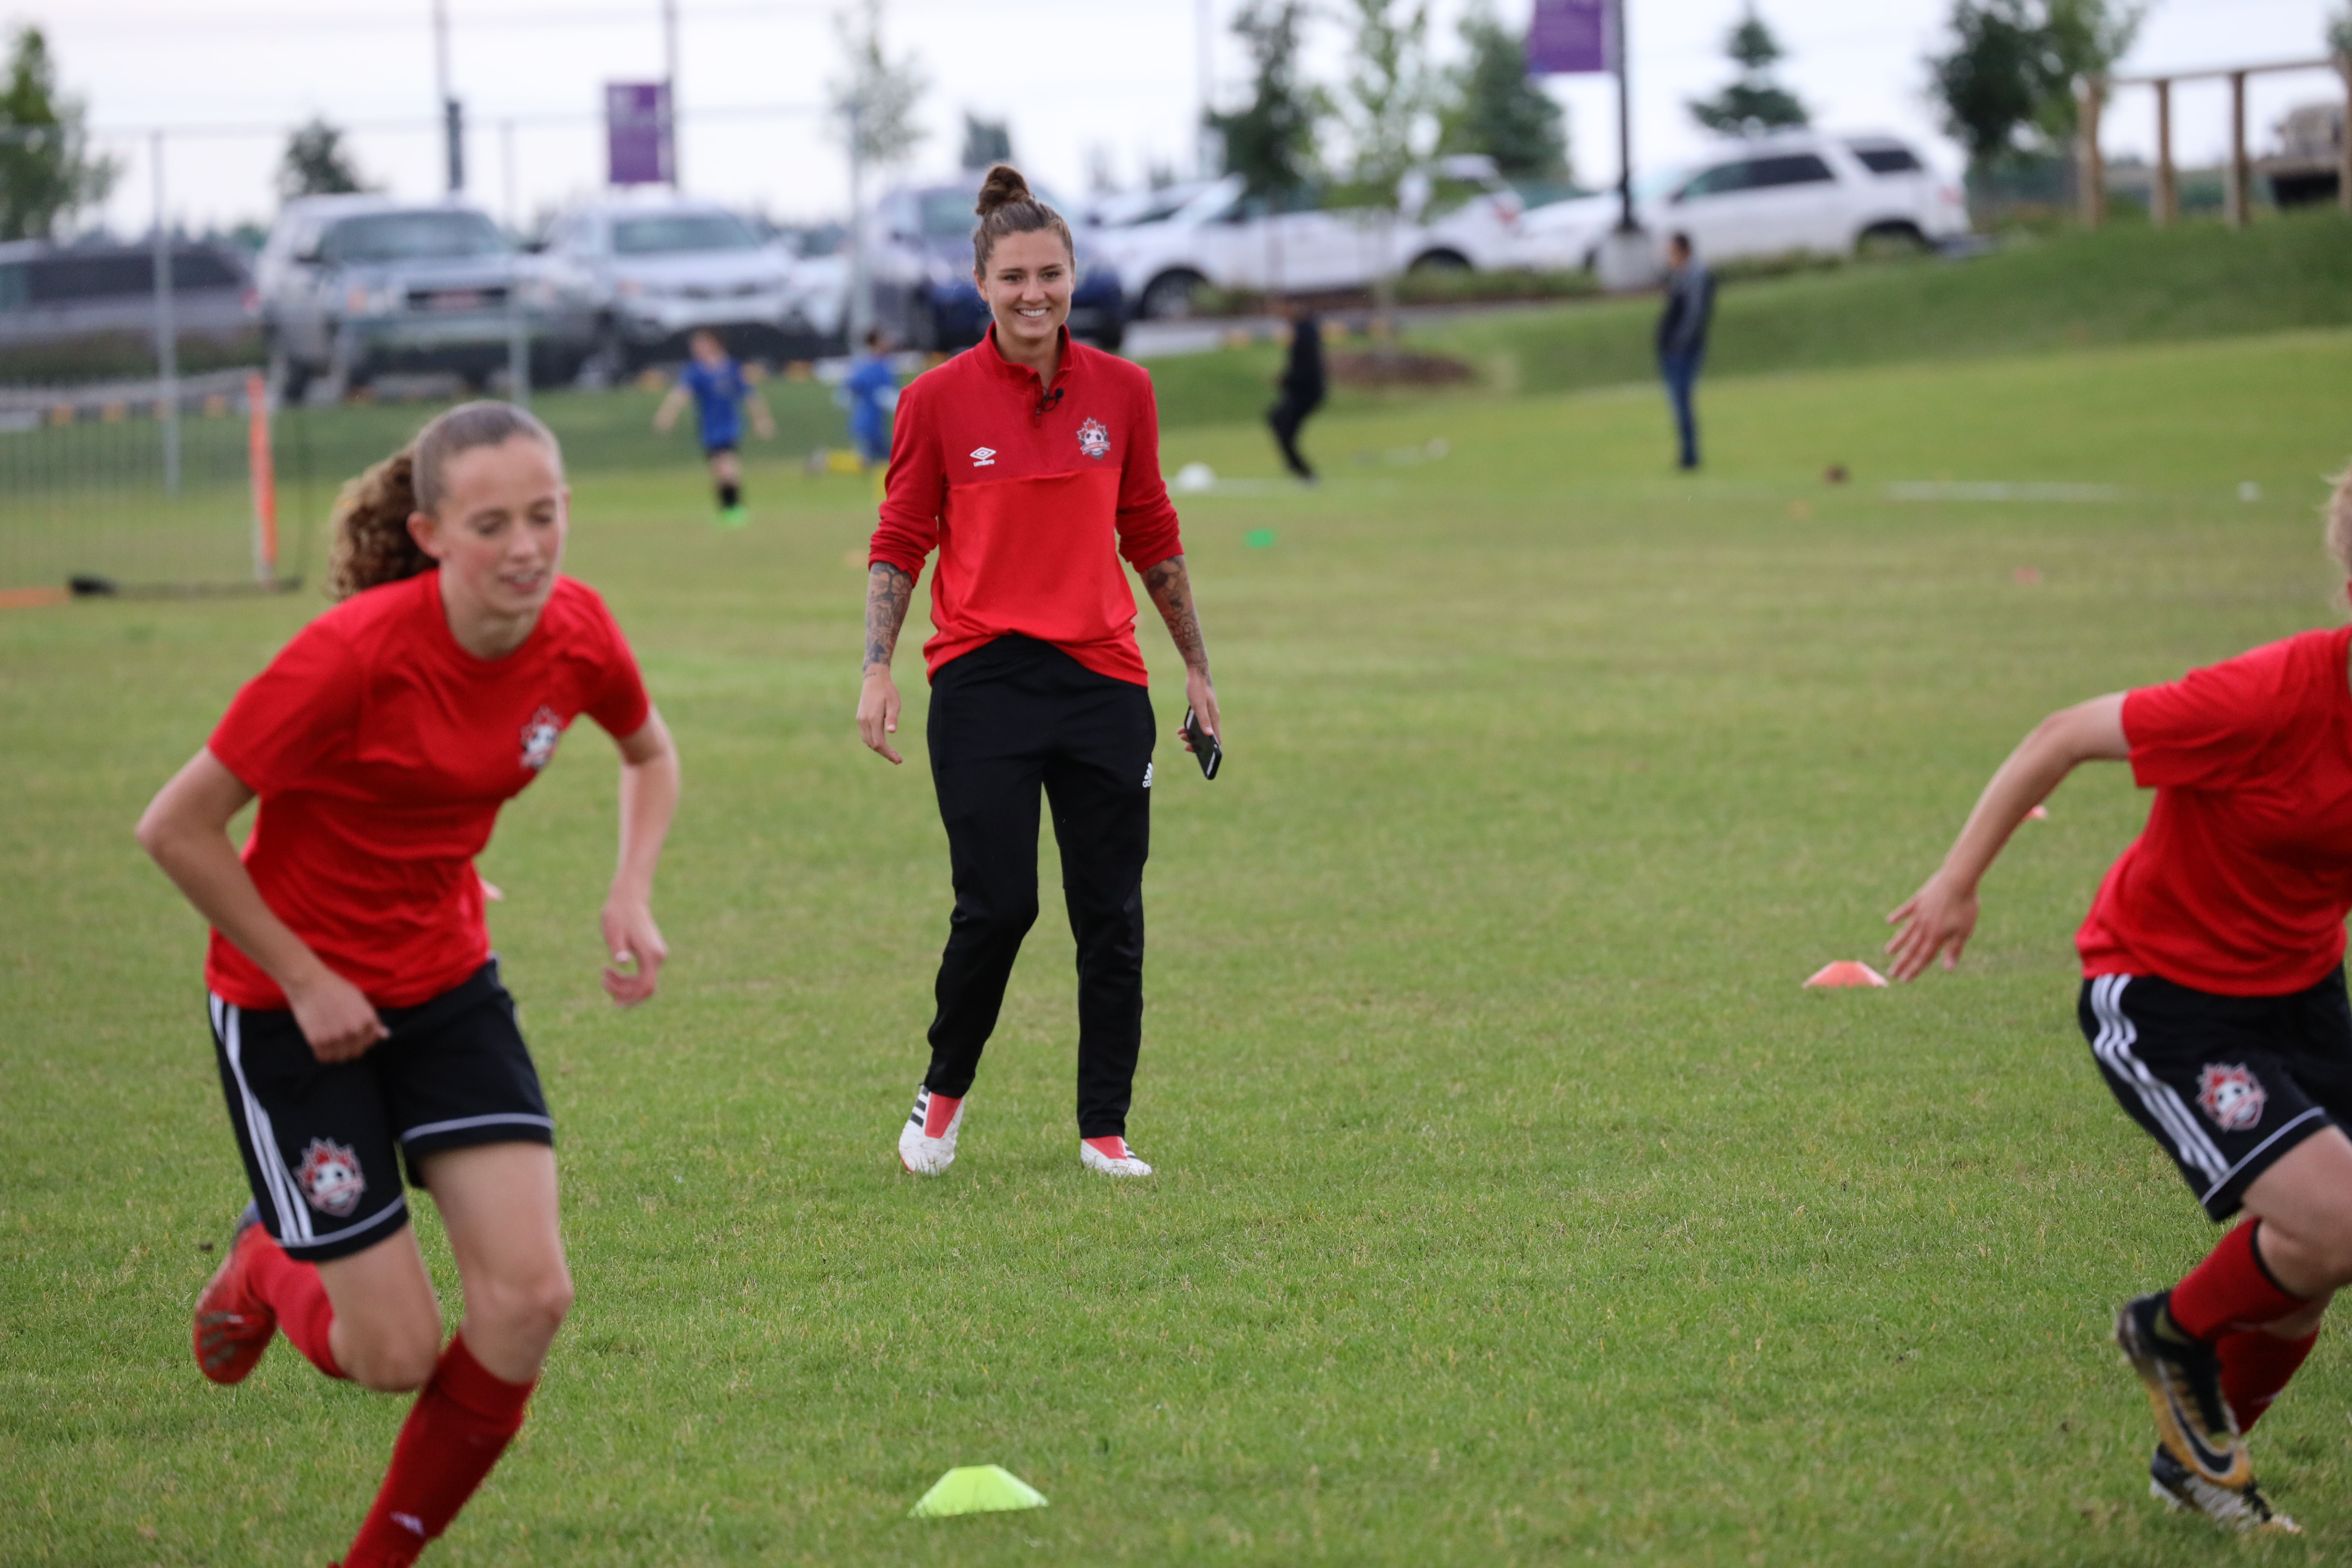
2241, 1509
2184, 1387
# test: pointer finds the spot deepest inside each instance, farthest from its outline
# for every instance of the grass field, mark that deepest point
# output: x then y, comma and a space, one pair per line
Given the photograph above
1516, 1203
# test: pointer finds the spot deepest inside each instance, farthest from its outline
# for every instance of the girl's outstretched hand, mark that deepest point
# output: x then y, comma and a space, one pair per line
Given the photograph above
1939, 916
631, 936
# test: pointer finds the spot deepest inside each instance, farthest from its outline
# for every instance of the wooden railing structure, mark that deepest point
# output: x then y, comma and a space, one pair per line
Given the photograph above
2093, 94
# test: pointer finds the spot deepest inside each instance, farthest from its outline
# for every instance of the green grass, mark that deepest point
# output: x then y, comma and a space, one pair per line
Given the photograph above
1516, 1203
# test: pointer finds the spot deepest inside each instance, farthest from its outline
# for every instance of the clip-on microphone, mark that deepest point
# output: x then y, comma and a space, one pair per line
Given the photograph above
1047, 403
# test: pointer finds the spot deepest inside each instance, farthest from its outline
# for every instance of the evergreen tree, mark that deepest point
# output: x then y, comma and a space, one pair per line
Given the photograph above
49, 174
1495, 106
317, 164
1270, 140
985, 141
1754, 101
2339, 32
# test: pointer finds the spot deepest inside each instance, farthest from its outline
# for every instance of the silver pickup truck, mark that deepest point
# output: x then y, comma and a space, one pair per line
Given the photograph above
352, 286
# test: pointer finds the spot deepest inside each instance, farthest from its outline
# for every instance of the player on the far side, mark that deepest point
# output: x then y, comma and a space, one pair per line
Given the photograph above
359, 1021
2213, 999
869, 392
716, 386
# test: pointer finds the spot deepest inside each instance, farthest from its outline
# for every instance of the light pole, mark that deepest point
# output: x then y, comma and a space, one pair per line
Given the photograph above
669, 94
453, 118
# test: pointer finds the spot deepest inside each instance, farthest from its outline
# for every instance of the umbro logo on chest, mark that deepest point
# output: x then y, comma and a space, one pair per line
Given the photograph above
983, 457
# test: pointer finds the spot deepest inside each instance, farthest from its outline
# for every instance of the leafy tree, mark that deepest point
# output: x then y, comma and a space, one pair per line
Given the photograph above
1496, 108
47, 171
2008, 80
317, 164
1270, 140
875, 103
985, 141
1388, 97
1754, 101
2339, 32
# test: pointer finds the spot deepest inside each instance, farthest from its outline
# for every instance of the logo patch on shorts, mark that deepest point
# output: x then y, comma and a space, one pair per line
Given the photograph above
330, 1178
1094, 440
539, 738
2231, 1096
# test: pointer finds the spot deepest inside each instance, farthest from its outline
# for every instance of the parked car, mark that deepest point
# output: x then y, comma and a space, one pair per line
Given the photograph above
1456, 213
649, 270
71, 312
354, 286
1766, 195
918, 258
818, 257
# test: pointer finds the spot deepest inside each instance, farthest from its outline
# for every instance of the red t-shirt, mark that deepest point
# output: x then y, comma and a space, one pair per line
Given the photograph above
382, 752
1031, 494
2241, 881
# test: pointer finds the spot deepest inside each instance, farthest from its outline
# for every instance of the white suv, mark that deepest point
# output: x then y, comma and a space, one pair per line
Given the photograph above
1766, 195
656, 267
1455, 213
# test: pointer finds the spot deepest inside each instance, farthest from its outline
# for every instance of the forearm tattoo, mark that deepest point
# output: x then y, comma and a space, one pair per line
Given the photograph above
1171, 587
888, 591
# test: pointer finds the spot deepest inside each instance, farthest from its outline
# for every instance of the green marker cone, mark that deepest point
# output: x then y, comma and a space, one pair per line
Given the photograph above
977, 1489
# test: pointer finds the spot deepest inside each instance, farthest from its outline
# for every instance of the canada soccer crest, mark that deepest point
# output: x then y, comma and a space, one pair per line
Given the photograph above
2231, 1096
539, 738
330, 1178
1094, 440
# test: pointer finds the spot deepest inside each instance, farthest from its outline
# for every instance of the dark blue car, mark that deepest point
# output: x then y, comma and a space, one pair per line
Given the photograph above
919, 257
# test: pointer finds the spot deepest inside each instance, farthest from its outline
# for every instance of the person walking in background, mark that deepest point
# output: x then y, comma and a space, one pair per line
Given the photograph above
870, 391
358, 1017
1302, 388
1681, 337
715, 384
1032, 463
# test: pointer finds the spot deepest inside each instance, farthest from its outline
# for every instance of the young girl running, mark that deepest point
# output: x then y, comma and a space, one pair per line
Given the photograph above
2213, 997
357, 1013
1032, 463
720, 391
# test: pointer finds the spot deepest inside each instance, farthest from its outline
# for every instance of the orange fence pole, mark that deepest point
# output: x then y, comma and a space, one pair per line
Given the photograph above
264, 475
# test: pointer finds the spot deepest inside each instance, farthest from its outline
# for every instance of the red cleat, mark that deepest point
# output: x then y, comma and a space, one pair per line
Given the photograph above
233, 1325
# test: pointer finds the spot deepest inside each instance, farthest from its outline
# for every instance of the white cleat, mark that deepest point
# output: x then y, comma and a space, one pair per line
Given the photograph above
1094, 1157
928, 1156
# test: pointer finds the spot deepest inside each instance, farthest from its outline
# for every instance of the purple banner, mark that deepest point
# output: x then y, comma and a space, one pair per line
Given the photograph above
636, 132
1569, 38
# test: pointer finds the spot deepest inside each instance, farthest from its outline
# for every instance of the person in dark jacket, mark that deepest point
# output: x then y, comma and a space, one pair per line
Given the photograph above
1681, 337
1302, 389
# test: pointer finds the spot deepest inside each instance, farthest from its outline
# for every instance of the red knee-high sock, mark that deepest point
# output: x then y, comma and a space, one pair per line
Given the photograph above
2255, 1367
2230, 1290
462, 1422
294, 1292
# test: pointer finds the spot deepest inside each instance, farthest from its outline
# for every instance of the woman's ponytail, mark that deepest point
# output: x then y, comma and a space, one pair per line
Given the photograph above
373, 545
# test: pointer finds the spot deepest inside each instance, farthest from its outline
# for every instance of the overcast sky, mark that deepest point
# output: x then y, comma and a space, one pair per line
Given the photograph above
1078, 79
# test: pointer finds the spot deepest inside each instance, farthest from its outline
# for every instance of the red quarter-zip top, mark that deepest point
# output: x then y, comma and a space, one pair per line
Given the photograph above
1031, 494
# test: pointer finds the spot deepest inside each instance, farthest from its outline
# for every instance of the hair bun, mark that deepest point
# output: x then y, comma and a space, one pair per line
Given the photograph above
1003, 187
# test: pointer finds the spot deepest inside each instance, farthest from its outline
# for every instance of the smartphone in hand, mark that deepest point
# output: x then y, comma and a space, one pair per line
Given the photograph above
1205, 748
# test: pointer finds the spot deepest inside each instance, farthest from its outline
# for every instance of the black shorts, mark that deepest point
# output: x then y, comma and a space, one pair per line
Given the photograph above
2227, 1084
323, 1142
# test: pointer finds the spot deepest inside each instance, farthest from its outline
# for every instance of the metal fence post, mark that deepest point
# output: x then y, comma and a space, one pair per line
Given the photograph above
167, 334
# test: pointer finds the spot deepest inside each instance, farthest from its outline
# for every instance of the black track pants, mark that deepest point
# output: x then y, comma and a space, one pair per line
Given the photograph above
1004, 719
1285, 417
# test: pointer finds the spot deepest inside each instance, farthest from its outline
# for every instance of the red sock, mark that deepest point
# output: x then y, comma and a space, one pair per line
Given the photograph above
462, 1422
938, 1111
1111, 1148
295, 1293
2255, 1367
2230, 1290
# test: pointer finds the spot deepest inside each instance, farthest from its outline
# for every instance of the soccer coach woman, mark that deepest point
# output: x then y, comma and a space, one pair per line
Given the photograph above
1032, 463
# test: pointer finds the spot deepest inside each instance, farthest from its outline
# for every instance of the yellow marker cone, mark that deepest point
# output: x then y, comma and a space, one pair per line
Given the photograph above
977, 1489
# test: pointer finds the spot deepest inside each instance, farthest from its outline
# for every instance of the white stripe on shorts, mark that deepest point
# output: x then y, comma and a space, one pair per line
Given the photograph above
503, 1117
293, 1215
2117, 1035
2257, 1151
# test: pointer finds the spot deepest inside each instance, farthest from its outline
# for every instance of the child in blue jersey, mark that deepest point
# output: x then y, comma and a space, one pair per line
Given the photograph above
870, 391
714, 384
